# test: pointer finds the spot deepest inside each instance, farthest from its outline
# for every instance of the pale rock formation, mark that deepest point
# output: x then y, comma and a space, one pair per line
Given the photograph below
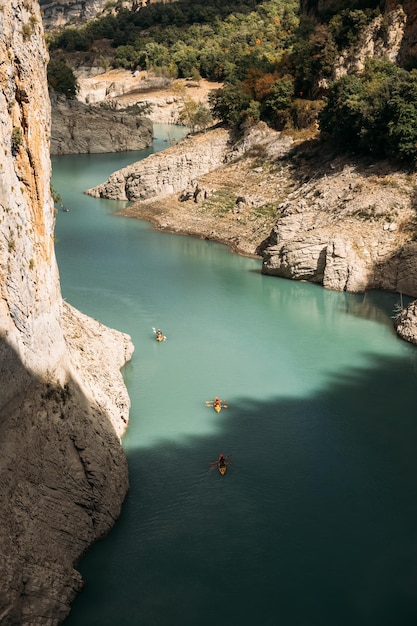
382, 38
169, 171
121, 88
63, 405
81, 129
406, 323
58, 13
348, 227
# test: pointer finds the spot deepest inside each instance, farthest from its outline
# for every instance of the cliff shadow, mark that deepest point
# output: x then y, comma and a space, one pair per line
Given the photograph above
321, 156
63, 477
314, 522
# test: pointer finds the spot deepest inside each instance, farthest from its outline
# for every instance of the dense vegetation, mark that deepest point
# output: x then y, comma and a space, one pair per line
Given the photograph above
276, 65
375, 111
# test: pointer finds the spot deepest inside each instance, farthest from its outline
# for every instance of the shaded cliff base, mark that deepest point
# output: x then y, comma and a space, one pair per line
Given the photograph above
63, 473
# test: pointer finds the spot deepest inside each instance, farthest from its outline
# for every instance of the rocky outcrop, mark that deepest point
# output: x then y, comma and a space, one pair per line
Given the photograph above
347, 225
381, 39
163, 97
169, 171
81, 129
406, 323
408, 44
58, 13
121, 88
63, 405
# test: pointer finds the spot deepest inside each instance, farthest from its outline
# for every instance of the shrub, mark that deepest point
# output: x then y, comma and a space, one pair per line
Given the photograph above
61, 78
375, 112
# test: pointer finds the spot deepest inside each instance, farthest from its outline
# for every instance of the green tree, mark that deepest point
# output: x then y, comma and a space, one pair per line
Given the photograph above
195, 115
375, 112
61, 78
229, 104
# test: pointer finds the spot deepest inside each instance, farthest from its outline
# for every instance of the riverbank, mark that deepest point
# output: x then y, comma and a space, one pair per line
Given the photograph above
310, 214
233, 202
237, 208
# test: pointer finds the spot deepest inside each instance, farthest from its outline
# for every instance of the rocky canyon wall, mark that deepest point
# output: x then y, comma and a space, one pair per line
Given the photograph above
78, 128
59, 13
63, 474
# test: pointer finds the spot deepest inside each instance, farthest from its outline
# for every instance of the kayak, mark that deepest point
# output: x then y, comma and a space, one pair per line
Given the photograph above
222, 469
222, 463
217, 406
158, 335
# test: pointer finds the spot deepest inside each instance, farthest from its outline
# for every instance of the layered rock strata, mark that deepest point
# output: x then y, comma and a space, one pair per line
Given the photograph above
169, 171
81, 129
59, 13
347, 226
63, 404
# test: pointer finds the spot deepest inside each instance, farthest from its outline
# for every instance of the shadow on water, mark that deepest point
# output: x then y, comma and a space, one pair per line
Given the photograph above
314, 523
380, 306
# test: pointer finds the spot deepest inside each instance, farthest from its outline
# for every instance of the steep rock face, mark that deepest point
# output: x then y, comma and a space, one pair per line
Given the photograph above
63, 474
406, 323
408, 44
382, 38
348, 226
81, 129
58, 13
30, 307
165, 173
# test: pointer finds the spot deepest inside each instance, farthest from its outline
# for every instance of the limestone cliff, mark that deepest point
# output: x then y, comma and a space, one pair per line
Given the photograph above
396, 18
346, 224
63, 474
59, 13
168, 172
81, 129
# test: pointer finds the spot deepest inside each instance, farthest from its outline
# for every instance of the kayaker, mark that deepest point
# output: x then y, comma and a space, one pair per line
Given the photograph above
159, 335
216, 402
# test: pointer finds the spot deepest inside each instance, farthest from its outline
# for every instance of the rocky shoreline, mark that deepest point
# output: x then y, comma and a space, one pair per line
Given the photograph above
308, 212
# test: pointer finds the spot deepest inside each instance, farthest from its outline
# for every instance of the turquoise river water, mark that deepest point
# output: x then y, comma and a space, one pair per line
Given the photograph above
315, 521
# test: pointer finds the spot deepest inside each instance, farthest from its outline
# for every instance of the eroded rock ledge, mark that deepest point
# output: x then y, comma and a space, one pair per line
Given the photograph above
346, 224
169, 171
